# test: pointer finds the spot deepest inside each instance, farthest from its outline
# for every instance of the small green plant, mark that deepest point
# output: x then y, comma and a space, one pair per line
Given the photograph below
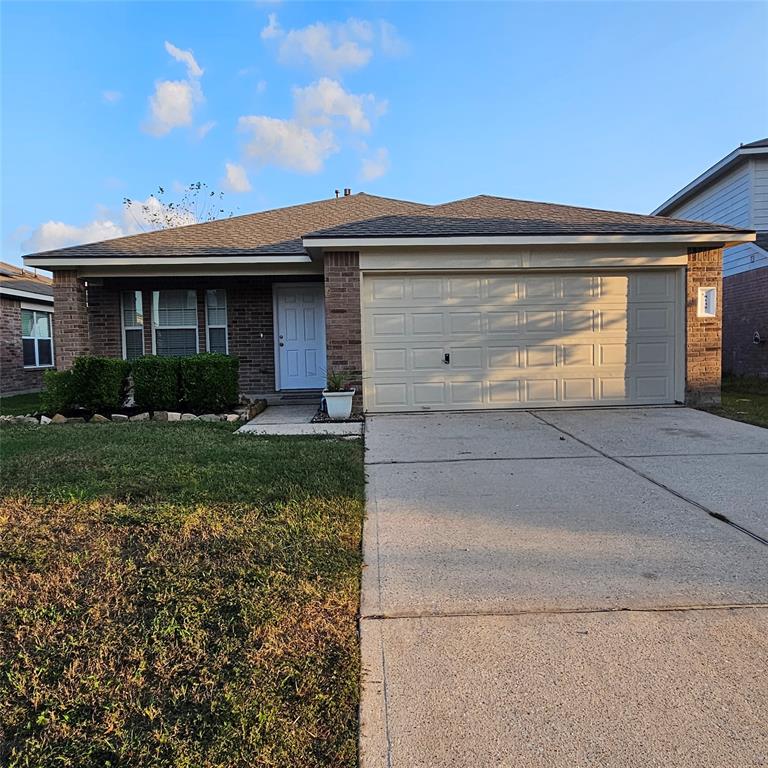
338, 381
99, 383
58, 392
156, 382
208, 381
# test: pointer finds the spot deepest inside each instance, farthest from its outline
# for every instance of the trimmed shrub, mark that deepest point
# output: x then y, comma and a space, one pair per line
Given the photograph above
99, 382
209, 381
156, 382
58, 392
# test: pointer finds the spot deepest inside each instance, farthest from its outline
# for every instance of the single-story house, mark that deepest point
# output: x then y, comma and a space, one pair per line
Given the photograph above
26, 329
486, 302
734, 191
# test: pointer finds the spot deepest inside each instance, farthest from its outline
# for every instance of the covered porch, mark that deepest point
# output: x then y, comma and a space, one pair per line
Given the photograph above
274, 324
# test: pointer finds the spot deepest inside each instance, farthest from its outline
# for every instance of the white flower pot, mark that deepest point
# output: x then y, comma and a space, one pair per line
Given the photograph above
339, 404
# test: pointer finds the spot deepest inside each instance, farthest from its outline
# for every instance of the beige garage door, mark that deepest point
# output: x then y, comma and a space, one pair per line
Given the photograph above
465, 341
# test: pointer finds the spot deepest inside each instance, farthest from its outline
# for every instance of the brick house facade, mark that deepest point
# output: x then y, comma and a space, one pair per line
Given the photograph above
673, 352
745, 323
22, 293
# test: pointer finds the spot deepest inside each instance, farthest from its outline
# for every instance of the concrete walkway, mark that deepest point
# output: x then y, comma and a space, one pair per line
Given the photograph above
558, 588
297, 420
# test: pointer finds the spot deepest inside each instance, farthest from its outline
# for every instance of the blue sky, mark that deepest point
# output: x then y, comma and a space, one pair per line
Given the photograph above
601, 104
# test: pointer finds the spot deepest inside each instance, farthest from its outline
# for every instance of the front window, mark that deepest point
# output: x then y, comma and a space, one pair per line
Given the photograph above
133, 325
37, 338
174, 320
216, 320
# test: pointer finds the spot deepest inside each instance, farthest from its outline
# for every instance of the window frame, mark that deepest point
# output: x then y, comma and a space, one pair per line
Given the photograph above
154, 313
37, 311
125, 327
209, 325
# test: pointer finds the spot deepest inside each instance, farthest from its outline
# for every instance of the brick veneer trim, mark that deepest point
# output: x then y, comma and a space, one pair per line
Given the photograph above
745, 311
703, 335
71, 337
343, 326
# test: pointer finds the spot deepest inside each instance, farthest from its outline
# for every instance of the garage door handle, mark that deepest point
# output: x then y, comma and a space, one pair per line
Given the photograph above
447, 358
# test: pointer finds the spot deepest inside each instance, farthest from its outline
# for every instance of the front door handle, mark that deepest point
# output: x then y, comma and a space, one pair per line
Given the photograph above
447, 358
282, 344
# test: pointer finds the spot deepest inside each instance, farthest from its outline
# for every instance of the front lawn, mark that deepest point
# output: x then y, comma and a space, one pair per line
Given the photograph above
177, 595
19, 405
744, 399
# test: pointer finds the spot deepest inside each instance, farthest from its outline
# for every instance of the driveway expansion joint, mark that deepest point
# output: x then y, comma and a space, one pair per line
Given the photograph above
560, 611
716, 515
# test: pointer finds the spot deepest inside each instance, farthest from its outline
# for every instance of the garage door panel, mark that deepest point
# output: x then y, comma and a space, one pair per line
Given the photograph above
517, 340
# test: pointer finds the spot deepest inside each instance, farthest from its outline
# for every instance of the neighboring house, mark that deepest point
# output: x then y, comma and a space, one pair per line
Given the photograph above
734, 191
26, 329
479, 303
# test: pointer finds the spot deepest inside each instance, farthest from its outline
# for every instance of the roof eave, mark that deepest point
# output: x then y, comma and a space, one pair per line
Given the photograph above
74, 262
726, 238
16, 293
708, 177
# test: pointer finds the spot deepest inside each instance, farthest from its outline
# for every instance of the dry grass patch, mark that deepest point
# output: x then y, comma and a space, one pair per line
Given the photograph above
155, 631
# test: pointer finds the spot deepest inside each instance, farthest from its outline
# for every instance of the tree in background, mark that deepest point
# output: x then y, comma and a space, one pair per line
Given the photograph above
197, 204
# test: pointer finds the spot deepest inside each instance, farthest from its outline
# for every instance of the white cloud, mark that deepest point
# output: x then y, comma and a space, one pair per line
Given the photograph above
128, 221
185, 57
320, 102
376, 166
205, 129
173, 103
286, 143
330, 48
236, 179
111, 97
272, 29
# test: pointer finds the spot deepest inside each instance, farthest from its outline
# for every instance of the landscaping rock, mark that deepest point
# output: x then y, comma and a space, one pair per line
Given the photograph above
97, 418
174, 416
232, 417
59, 419
75, 420
254, 409
140, 417
45, 420
119, 417
189, 417
210, 417
25, 420
160, 416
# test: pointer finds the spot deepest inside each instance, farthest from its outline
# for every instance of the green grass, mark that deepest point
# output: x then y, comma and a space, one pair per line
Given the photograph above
744, 399
177, 595
19, 405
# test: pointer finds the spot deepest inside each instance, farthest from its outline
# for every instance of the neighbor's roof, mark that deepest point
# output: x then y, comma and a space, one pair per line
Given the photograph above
281, 233
486, 215
277, 231
739, 155
17, 279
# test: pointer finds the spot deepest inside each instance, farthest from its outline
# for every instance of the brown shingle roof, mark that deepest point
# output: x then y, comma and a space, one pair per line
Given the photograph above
486, 215
20, 279
277, 231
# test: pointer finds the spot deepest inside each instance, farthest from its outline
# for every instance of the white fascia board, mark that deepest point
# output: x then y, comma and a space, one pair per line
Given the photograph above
715, 170
354, 243
177, 261
40, 297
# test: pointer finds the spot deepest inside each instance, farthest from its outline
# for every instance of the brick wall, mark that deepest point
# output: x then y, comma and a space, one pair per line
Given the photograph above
745, 310
14, 378
343, 332
249, 320
70, 331
703, 334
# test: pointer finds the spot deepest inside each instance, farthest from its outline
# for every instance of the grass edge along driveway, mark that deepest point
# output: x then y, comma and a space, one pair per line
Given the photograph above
177, 595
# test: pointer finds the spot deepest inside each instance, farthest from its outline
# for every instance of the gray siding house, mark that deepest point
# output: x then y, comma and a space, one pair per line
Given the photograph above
734, 191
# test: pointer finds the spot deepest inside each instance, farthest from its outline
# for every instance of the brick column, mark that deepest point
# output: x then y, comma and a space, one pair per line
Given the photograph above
70, 321
703, 352
343, 334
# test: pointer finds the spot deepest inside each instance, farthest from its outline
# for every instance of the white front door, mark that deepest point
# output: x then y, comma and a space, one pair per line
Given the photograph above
300, 336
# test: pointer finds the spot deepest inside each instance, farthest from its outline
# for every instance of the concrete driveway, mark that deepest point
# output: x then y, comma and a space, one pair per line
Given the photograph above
565, 588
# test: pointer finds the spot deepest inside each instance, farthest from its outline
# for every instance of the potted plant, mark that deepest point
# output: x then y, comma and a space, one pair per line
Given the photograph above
338, 395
